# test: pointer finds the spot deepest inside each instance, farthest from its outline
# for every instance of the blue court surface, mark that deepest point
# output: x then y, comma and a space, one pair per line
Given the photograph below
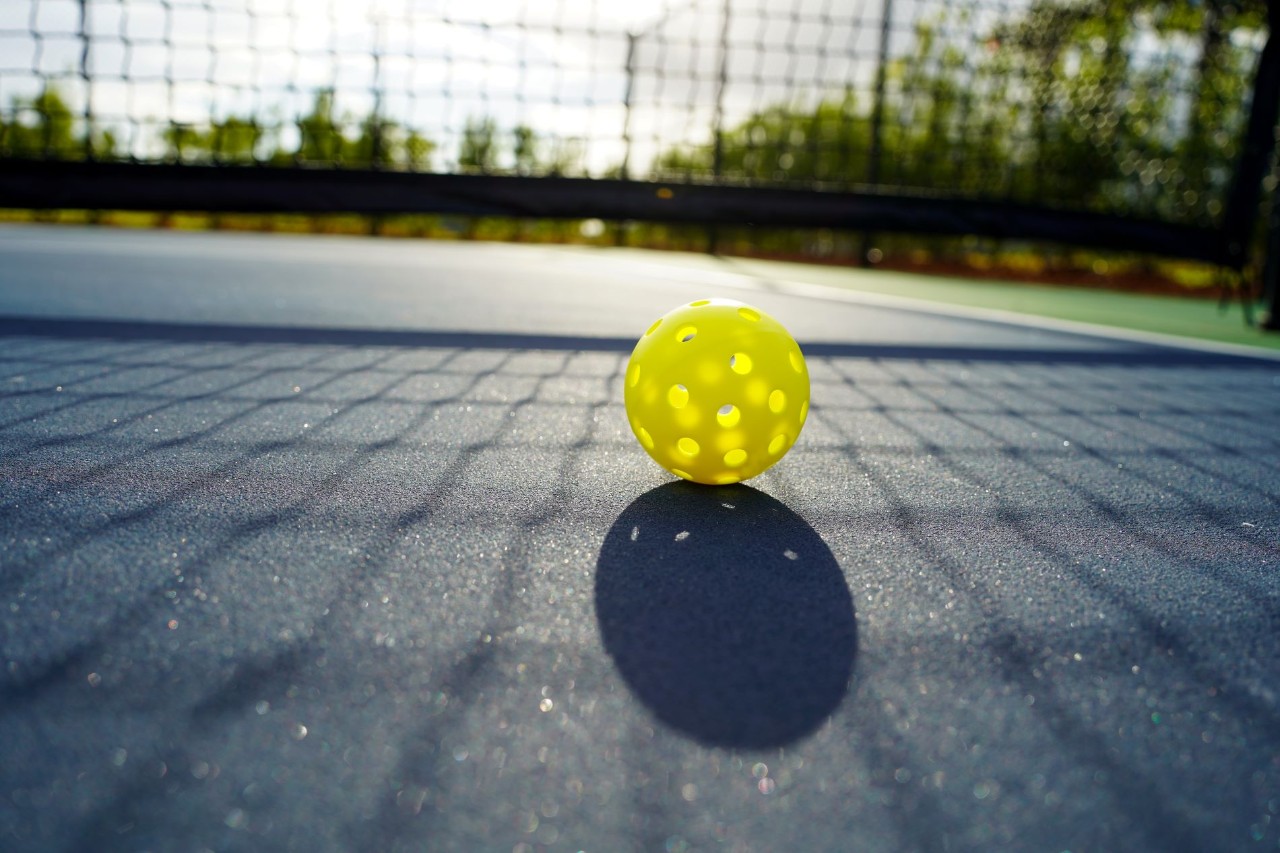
330, 544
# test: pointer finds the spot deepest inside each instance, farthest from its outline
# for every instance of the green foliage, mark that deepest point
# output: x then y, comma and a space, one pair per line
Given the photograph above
234, 140
322, 139
384, 143
525, 150
44, 126
483, 150
325, 140
1072, 103
565, 158
479, 149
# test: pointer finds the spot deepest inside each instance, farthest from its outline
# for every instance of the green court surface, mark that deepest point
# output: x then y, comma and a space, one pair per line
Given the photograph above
1188, 317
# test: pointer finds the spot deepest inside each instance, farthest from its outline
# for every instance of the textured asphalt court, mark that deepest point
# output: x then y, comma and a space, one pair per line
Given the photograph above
341, 544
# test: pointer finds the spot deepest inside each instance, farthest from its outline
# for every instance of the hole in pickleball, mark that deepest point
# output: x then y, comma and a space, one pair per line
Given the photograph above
722, 636
645, 438
804, 412
749, 314
736, 457
797, 363
682, 474
777, 402
688, 446
740, 363
699, 303
686, 334
654, 327
678, 396
633, 375
778, 443
728, 416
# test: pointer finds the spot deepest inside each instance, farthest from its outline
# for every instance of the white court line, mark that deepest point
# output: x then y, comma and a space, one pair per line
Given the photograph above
995, 315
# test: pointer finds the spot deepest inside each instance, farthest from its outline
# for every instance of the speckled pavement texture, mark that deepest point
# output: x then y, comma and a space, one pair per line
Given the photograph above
323, 545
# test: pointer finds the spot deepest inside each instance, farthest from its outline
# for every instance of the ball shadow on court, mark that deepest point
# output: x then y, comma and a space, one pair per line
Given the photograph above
726, 614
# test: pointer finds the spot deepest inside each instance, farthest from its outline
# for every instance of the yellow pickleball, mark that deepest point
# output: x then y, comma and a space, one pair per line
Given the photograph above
717, 391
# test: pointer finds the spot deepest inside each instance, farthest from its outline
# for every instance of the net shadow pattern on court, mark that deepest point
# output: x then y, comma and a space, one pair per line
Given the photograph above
362, 597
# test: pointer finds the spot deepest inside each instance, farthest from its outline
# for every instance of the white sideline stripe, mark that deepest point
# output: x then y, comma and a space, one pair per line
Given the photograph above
995, 315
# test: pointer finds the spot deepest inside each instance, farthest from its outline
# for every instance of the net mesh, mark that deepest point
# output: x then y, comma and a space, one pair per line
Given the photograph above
1133, 107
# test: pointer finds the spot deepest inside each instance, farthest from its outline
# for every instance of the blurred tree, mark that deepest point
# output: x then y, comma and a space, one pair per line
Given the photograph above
380, 142
1111, 105
232, 140
236, 140
417, 151
44, 126
479, 149
322, 140
372, 146
53, 127
526, 150
386, 144
1073, 103
566, 158
183, 141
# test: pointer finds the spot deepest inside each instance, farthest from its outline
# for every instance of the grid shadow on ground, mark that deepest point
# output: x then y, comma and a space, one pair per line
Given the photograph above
346, 594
